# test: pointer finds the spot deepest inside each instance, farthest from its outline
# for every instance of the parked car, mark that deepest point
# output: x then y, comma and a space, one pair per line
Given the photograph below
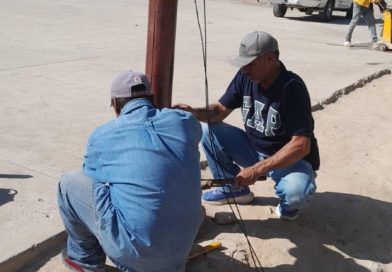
323, 7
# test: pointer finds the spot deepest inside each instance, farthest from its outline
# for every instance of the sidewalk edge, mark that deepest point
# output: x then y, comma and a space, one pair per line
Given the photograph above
344, 91
23, 258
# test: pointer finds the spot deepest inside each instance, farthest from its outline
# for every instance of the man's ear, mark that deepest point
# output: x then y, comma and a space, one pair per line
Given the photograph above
271, 58
115, 107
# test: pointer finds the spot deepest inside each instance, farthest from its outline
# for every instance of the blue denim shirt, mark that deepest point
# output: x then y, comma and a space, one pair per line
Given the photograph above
150, 213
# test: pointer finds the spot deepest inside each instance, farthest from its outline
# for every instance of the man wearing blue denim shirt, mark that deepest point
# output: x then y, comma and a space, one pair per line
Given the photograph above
138, 199
278, 140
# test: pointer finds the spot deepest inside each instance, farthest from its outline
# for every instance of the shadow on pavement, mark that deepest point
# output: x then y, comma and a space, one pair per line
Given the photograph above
336, 20
369, 46
357, 226
7, 195
11, 176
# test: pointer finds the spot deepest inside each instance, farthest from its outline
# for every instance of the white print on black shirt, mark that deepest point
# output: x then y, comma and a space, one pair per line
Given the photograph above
257, 122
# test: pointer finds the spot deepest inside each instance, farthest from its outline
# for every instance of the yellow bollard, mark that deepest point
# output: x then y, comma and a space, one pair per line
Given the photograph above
387, 33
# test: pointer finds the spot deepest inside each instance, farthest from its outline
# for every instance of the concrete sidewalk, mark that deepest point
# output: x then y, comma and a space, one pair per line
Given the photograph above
59, 59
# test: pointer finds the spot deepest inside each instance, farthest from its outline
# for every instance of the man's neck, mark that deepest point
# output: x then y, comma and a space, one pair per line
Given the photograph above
133, 104
272, 77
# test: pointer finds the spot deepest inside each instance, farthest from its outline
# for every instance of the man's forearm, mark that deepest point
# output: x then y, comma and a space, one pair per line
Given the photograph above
216, 112
288, 155
201, 113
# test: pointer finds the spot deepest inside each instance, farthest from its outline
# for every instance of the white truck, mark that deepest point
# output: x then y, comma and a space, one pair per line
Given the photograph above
323, 7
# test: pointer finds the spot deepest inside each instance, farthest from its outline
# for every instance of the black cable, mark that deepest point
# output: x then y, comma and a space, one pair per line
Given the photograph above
219, 167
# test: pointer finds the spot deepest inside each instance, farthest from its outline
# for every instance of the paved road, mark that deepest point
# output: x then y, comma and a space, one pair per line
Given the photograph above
58, 60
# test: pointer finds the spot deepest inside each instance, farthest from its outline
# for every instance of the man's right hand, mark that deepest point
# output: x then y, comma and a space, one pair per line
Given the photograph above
184, 107
217, 112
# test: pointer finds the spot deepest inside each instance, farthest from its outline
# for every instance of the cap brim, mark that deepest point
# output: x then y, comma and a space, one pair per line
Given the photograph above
241, 61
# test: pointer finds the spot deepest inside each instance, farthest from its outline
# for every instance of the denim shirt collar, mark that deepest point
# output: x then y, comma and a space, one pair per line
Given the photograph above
135, 104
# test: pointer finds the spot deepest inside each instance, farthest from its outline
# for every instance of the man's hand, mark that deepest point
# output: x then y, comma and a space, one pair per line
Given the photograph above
248, 176
184, 107
216, 112
293, 151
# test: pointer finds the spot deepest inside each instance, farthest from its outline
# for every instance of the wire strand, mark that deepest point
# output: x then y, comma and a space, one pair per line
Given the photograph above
218, 165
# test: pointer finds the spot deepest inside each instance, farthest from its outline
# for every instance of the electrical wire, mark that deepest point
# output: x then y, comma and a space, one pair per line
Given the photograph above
218, 165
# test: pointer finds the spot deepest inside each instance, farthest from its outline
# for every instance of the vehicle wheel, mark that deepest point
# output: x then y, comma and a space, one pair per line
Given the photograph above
383, 47
326, 14
279, 10
349, 13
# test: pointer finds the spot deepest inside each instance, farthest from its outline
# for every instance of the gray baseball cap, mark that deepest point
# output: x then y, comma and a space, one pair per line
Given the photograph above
130, 84
254, 44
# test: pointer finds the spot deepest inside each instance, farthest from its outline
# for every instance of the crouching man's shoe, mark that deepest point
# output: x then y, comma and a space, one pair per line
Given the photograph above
220, 196
286, 215
75, 267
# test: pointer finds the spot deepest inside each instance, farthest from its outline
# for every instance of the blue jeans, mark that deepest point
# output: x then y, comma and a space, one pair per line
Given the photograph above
368, 15
295, 184
77, 209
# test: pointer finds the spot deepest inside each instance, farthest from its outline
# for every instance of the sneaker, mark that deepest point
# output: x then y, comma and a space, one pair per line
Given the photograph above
286, 215
68, 263
348, 44
242, 195
76, 267
376, 45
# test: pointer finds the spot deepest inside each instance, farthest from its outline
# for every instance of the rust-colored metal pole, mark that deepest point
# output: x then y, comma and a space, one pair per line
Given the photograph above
162, 22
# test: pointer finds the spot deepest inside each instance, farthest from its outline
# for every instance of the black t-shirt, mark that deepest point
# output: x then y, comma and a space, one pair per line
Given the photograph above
272, 116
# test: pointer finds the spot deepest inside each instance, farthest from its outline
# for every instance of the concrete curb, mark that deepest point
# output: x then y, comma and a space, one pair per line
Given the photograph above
359, 84
20, 260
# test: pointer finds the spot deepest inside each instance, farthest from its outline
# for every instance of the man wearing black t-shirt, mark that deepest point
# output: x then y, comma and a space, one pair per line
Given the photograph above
278, 140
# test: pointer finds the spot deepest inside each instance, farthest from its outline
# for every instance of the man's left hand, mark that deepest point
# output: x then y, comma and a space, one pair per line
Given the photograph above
247, 176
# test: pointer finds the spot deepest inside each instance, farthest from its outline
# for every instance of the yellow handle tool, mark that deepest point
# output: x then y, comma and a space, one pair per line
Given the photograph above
214, 245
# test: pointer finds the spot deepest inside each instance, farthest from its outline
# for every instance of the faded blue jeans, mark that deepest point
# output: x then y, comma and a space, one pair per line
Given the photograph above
79, 214
368, 15
295, 185
77, 209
